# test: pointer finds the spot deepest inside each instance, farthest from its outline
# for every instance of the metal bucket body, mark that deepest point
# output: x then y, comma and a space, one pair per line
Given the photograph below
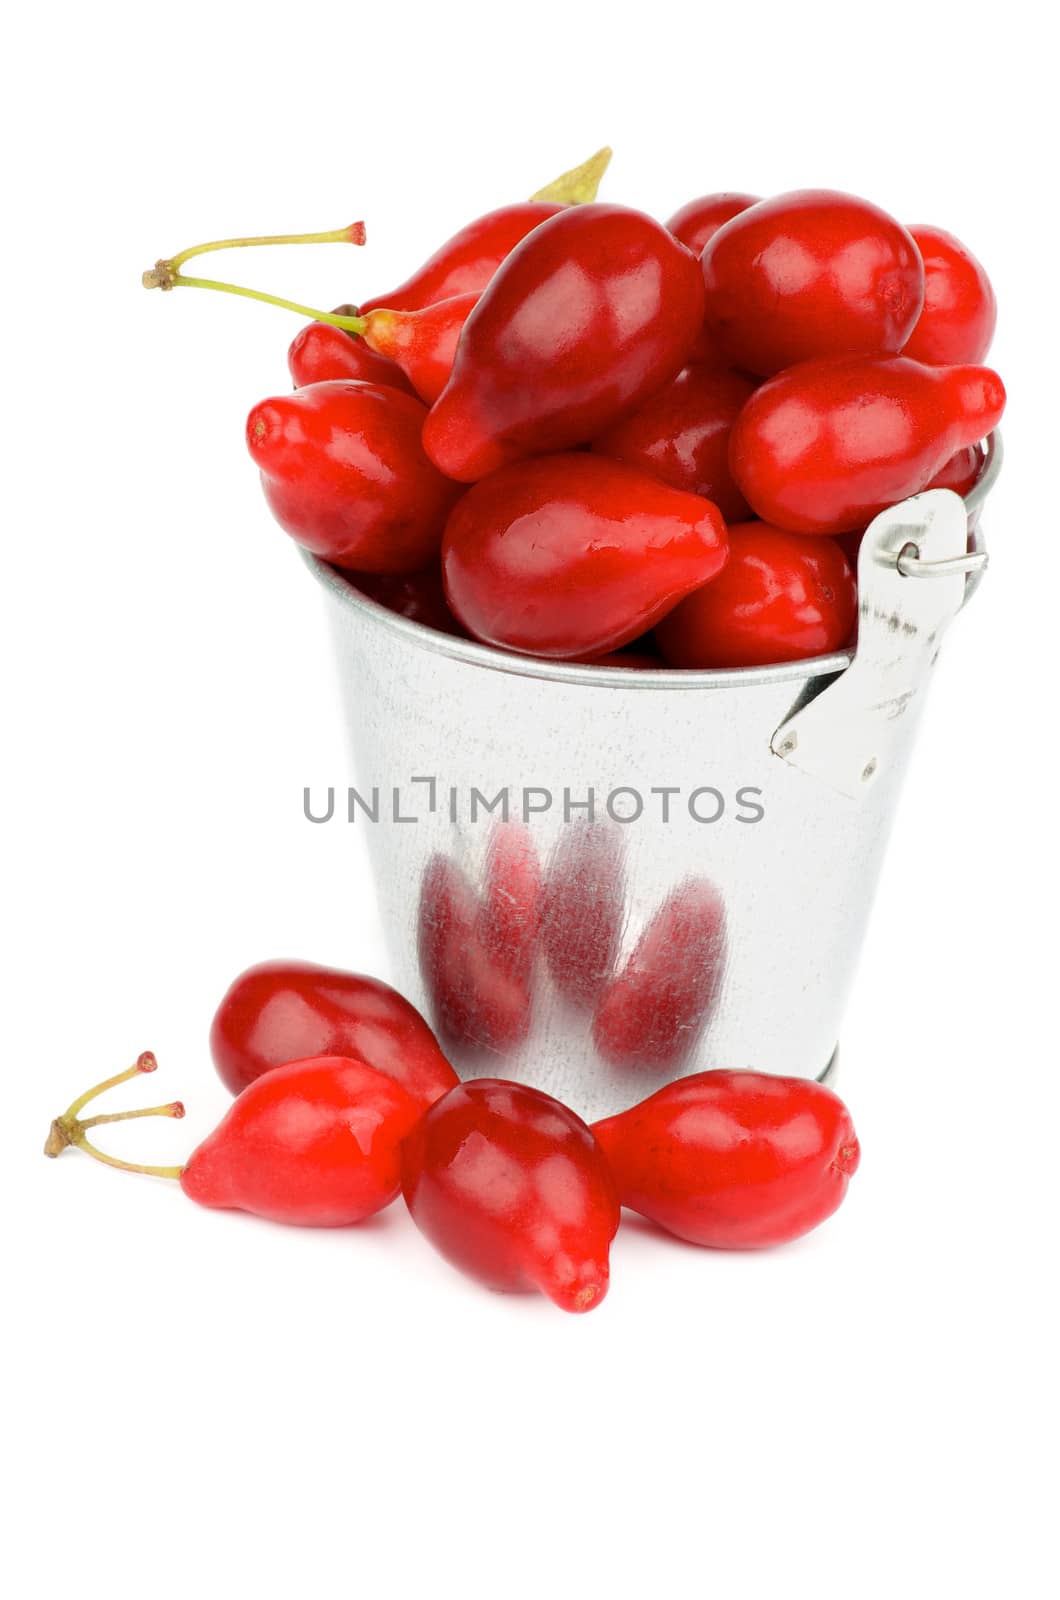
709, 911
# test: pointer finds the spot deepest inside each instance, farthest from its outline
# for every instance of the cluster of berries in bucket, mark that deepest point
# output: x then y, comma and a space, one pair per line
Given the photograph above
580, 434
344, 1100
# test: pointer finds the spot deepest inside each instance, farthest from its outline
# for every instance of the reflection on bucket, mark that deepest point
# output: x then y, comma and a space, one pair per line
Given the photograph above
510, 916
477, 952
584, 908
653, 1012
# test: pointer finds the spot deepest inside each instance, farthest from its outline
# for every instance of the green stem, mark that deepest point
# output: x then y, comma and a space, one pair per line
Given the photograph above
145, 1062
353, 233
177, 280
124, 1166
69, 1129
175, 1108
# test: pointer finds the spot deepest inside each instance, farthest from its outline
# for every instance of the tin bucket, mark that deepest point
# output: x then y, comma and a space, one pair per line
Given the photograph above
596, 880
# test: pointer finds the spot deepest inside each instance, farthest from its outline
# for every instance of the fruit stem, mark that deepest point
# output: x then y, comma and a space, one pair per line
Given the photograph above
69, 1129
177, 280
162, 270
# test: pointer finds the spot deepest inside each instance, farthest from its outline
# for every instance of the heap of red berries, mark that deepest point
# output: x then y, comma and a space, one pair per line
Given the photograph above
344, 1099
576, 430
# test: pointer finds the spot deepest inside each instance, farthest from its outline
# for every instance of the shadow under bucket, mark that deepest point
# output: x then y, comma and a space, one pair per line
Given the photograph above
596, 880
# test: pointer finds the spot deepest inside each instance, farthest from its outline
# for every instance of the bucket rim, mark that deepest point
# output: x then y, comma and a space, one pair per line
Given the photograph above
343, 587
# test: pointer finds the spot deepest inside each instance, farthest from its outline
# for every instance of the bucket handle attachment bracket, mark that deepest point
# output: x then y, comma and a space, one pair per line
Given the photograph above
848, 735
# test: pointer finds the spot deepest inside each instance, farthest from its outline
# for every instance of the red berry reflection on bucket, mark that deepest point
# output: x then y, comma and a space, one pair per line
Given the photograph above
477, 1000
509, 921
584, 908
653, 1012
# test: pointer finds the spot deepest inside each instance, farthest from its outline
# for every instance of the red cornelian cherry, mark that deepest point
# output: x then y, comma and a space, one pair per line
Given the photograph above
345, 475
696, 223
961, 471
322, 352
594, 311
811, 274
681, 436
280, 1011
653, 1011
825, 446
960, 311
422, 343
733, 1160
573, 555
420, 596
466, 262
511, 1187
781, 597
315, 1143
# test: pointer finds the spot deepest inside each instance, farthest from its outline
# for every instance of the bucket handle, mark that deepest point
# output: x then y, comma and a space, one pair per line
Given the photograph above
911, 563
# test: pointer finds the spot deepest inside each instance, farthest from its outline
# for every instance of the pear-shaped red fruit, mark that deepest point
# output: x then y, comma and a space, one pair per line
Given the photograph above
734, 1160
596, 309
314, 1142
511, 1187
280, 1011
825, 446
345, 475
321, 352
573, 555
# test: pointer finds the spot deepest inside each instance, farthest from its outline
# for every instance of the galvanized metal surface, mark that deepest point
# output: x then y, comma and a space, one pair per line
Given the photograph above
678, 929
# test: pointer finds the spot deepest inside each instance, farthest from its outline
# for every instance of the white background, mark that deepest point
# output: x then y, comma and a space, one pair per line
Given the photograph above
203, 1403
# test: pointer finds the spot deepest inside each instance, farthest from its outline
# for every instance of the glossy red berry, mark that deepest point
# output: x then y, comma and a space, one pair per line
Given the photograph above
511, 1187
781, 597
420, 596
422, 344
696, 223
595, 310
280, 1011
824, 447
811, 274
961, 471
322, 352
681, 436
344, 474
314, 1142
734, 1160
573, 555
466, 262
960, 311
